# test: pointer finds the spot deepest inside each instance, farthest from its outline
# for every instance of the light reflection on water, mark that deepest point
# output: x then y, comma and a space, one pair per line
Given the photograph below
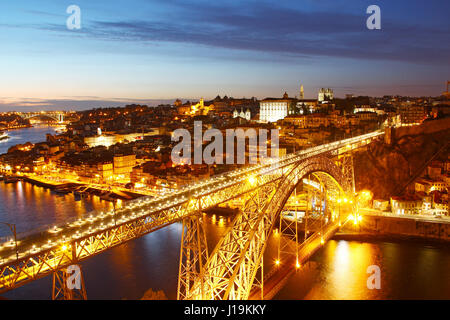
339, 271
31, 207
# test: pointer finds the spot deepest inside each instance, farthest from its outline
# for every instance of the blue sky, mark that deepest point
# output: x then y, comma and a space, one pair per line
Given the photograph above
147, 51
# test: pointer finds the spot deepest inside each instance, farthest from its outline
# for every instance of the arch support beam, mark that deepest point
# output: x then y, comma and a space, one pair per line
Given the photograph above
232, 266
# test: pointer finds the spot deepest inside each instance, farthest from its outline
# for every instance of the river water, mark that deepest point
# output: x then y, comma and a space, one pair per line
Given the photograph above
409, 270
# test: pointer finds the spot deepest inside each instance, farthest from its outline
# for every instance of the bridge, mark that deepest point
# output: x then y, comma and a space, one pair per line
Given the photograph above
234, 269
58, 116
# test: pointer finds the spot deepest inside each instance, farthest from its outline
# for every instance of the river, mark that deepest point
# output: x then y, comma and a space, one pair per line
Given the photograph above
20, 136
409, 270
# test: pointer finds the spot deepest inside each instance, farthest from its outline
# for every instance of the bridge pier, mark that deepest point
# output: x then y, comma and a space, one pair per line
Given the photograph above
348, 170
68, 284
288, 237
193, 255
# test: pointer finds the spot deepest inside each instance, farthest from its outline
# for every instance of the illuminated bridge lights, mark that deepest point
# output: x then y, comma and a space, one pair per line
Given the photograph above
55, 230
252, 180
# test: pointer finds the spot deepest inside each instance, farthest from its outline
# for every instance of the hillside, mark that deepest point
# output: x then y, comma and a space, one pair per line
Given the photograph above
384, 169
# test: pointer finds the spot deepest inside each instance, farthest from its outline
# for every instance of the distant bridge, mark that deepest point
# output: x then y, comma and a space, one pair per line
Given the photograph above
58, 116
231, 270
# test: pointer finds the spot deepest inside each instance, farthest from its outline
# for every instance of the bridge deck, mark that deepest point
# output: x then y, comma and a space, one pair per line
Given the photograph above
276, 279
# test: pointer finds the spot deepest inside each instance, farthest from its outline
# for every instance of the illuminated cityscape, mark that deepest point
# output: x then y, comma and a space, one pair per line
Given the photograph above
314, 185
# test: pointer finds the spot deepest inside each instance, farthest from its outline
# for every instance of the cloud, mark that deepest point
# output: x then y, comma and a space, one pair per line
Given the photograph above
280, 31
72, 103
267, 27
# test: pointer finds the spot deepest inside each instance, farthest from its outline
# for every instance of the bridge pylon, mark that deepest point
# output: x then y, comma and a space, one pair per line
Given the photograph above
348, 170
288, 240
193, 254
68, 284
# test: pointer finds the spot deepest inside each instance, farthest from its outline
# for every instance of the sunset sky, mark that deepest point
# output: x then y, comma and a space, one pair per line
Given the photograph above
147, 51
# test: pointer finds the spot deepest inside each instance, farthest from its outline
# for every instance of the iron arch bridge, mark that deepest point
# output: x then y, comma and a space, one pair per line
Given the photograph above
232, 268
230, 271
57, 116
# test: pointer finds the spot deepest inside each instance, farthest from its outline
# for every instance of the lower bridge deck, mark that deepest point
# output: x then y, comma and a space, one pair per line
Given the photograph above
278, 276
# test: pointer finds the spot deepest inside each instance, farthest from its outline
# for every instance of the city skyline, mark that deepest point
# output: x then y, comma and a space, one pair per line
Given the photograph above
152, 52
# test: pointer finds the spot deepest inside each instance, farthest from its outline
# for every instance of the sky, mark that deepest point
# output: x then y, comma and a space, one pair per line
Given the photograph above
154, 51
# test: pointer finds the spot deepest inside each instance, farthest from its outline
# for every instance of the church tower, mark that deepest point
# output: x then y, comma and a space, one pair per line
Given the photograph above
302, 92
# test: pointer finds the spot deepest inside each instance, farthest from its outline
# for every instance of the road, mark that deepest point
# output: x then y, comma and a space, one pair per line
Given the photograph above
417, 217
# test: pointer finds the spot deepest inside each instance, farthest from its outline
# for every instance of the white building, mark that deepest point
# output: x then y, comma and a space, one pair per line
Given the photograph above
247, 115
369, 109
406, 205
272, 109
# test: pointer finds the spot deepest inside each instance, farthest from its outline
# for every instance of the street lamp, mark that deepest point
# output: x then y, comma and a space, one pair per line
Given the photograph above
12, 227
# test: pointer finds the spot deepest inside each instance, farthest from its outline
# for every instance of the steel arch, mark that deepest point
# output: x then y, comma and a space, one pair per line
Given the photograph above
232, 266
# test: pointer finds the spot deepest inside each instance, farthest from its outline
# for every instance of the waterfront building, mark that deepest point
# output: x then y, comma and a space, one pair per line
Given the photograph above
123, 165
381, 204
410, 204
441, 207
105, 170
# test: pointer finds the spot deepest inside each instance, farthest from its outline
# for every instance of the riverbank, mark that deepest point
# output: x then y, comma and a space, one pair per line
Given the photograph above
372, 229
401, 227
16, 127
77, 188
373, 237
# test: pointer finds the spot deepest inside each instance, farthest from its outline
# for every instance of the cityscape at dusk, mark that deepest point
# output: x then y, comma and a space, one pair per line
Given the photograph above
229, 150
152, 52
